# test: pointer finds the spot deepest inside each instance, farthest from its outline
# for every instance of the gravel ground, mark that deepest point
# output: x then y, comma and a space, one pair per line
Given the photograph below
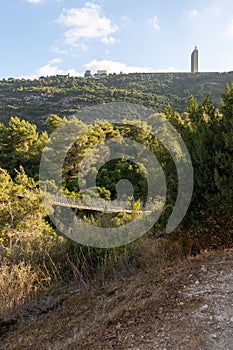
214, 283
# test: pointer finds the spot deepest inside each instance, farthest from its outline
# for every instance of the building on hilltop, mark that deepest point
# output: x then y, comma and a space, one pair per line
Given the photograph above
101, 73
194, 61
87, 74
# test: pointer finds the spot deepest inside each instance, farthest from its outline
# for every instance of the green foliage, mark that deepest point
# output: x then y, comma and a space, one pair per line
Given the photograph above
21, 210
35, 100
28, 239
54, 121
206, 132
209, 138
21, 145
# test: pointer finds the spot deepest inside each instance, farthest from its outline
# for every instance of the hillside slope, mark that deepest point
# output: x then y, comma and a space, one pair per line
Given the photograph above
188, 306
65, 95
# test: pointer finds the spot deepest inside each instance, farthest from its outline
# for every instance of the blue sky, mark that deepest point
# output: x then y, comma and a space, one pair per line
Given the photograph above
47, 37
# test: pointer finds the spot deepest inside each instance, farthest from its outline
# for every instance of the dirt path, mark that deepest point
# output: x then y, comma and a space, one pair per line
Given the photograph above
186, 307
214, 284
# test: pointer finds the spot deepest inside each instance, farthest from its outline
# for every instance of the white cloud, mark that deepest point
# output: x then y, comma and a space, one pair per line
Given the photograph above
88, 23
117, 67
51, 68
64, 50
114, 67
58, 50
154, 23
193, 13
55, 61
125, 21
109, 40
34, 1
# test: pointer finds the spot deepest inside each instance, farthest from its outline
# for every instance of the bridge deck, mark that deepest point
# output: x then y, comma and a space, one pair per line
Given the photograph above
96, 205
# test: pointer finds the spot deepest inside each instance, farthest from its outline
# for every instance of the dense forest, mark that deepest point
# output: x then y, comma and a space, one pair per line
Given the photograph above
34, 255
65, 95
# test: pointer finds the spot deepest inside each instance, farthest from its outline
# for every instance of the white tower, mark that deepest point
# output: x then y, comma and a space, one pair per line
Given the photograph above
194, 61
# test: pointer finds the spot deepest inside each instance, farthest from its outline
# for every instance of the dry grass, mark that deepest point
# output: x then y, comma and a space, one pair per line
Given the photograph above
17, 286
129, 297
135, 302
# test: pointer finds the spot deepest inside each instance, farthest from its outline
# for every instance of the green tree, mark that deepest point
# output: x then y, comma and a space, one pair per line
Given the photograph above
21, 209
54, 121
21, 144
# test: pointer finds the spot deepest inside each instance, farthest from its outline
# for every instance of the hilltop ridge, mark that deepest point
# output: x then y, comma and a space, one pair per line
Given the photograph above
35, 99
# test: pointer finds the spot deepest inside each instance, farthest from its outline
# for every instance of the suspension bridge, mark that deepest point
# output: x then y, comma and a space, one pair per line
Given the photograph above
101, 205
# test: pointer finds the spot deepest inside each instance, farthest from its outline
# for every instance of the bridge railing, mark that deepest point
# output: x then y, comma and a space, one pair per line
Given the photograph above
95, 204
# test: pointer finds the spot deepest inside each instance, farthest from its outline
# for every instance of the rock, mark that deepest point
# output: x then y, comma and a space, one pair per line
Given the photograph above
204, 308
214, 336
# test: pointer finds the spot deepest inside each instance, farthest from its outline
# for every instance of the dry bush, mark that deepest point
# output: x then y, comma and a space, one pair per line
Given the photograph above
18, 284
146, 253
